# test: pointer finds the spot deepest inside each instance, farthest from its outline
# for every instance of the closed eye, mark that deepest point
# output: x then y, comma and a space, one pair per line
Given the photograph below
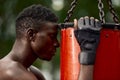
53, 36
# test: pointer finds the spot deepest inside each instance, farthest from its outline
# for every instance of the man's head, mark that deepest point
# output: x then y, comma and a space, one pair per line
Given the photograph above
38, 25
32, 17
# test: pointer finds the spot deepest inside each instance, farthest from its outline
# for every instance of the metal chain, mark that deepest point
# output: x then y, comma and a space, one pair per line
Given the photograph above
112, 10
101, 11
70, 12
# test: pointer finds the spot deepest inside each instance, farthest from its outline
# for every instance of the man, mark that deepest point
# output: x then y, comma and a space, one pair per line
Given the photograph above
36, 37
87, 34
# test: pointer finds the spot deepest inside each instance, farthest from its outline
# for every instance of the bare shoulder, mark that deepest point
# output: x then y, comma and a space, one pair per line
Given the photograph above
36, 72
15, 71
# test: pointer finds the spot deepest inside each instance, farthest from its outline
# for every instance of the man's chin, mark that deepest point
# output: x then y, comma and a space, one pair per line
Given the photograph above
47, 59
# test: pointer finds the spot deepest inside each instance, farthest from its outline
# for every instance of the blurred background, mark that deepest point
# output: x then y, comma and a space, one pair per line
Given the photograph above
9, 10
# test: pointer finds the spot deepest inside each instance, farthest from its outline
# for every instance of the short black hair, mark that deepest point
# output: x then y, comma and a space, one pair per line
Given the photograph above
33, 15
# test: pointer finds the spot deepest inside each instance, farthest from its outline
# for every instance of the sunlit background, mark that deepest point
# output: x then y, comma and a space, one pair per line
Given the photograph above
9, 9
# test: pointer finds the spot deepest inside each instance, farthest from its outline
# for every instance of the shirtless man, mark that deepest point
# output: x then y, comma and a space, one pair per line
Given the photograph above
36, 37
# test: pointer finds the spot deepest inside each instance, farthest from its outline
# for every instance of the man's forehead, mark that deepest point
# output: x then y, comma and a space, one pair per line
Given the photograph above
50, 25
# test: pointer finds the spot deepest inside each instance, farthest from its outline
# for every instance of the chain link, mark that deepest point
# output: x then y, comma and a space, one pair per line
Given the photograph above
70, 12
101, 11
112, 11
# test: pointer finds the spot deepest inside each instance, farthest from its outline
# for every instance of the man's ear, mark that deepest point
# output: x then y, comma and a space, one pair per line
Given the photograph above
31, 33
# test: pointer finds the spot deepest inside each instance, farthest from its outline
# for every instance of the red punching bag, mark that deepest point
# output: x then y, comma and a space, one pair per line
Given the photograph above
69, 63
107, 65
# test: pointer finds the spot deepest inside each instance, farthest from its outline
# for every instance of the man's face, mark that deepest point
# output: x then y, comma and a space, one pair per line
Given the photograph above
46, 42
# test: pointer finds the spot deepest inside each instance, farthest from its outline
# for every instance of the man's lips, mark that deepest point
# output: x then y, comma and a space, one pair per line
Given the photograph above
53, 52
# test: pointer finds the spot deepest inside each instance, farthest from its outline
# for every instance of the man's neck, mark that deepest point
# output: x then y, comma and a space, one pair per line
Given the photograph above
22, 53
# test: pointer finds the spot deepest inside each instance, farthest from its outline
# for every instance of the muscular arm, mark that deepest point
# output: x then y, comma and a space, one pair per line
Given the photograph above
86, 72
36, 72
87, 34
